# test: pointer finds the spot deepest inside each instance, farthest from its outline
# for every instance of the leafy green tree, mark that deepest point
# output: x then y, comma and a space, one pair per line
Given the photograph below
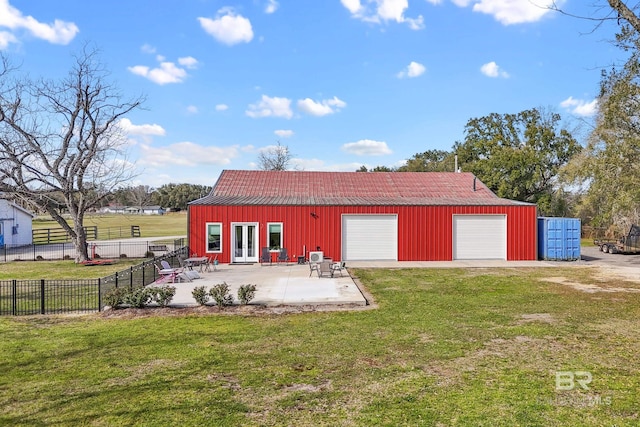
177, 196
518, 156
608, 170
363, 168
430, 161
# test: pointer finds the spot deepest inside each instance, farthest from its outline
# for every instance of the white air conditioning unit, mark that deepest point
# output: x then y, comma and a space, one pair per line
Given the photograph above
316, 256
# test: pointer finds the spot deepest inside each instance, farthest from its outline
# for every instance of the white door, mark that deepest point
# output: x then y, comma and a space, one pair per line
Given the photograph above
370, 237
479, 237
244, 241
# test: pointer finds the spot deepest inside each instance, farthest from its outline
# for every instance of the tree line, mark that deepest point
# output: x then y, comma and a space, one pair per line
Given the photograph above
173, 197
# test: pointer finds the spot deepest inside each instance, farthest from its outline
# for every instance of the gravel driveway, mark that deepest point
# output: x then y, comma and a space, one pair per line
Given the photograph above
592, 255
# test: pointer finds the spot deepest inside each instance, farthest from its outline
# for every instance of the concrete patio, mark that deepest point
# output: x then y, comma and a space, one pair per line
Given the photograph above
277, 284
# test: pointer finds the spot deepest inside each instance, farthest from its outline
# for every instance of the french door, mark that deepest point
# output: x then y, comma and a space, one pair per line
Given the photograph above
245, 242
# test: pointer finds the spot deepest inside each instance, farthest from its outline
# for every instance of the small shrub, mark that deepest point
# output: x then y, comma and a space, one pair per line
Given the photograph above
200, 294
67, 257
96, 256
220, 294
138, 298
246, 293
114, 297
162, 295
123, 255
149, 254
39, 258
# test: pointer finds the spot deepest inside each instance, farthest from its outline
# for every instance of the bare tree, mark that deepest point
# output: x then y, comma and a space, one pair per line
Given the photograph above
275, 158
617, 11
141, 195
61, 148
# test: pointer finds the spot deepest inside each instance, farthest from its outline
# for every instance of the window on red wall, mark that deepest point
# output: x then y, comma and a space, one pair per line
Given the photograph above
274, 236
214, 237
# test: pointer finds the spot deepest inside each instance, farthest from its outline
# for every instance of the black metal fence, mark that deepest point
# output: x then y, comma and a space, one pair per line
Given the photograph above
121, 249
28, 297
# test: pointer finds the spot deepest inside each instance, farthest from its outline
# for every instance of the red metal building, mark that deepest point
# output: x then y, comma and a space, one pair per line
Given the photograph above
404, 216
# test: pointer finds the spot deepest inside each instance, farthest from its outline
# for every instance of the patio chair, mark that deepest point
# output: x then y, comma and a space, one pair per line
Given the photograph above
338, 266
178, 273
283, 256
265, 257
211, 264
166, 274
314, 266
325, 268
183, 264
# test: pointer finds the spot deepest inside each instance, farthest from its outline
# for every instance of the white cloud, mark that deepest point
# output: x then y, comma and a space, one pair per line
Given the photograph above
142, 130
491, 69
284, 133
353, 6
270, 107
509, 12
228, 28
192, 109
147, 48
271, 6
188, 61
6, 38
367, 147
167, 72
59, 32
222, 107
322, 108
462, 3
378, 11
580, 107
414, 69
186, 154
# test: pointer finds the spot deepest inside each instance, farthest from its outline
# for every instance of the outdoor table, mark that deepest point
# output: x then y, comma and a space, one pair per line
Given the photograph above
196, 261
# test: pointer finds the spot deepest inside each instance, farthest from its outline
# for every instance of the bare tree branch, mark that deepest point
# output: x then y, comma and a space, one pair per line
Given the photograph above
275, 158
61, 149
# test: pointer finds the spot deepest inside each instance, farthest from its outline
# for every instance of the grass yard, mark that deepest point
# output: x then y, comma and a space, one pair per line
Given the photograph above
63, 269
171, 224
445, 347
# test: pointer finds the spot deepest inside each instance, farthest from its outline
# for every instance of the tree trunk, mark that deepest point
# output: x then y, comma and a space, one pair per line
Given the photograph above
80, 243
625, 13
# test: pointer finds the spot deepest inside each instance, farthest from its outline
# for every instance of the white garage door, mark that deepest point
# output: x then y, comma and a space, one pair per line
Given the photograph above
369, 237
479, 237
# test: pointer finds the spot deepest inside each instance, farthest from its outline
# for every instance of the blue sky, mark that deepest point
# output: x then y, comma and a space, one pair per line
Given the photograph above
342, 83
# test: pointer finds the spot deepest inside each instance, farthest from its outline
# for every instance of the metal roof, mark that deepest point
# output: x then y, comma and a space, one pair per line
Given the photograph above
250, 187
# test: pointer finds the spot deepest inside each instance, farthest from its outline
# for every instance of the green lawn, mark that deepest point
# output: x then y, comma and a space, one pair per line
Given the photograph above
172, 224
63, 269
445, 347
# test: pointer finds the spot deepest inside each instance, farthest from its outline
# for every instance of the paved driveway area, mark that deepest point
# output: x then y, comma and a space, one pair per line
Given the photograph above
276, 285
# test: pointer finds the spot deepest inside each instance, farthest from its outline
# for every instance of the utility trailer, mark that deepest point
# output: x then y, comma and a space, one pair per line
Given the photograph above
629, 244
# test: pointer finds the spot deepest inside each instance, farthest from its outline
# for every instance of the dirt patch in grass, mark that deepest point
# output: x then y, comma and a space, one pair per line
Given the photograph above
308, 388
590, 287
141, 371
226, 381
537, 317
242, 310
494, 355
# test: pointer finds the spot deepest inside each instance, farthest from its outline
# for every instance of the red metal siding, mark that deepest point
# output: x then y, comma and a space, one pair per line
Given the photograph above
424, 232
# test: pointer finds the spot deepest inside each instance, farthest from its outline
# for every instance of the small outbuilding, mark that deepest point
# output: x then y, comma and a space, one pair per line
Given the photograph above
348, 216
15, 224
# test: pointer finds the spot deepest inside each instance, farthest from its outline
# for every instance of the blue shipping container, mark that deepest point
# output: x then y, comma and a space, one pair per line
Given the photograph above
558, 239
